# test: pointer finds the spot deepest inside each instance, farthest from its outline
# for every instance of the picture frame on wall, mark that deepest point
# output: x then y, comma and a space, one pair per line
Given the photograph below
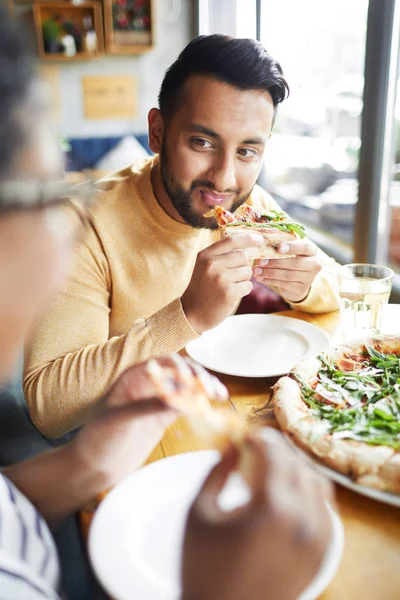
128, 26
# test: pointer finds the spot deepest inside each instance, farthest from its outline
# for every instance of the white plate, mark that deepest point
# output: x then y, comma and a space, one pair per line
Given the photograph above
136, 537
386, 497
257, 345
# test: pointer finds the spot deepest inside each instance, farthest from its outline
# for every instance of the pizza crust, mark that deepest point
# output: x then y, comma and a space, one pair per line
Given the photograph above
308, 368
387, 344
390, 473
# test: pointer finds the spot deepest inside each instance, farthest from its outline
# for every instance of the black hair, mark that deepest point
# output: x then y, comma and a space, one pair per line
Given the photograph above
242, 63
16, 77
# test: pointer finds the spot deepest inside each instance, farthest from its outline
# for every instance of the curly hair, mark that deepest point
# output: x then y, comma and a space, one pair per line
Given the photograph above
17, 73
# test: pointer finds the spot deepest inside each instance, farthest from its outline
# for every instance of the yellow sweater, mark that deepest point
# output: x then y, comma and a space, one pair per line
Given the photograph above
122, 302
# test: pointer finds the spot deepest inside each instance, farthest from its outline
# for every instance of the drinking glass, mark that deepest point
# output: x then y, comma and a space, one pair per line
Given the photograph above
364, 290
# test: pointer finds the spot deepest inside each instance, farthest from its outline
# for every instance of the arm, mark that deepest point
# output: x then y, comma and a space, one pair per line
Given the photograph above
71, 361
56, 482
129, 423
323, 295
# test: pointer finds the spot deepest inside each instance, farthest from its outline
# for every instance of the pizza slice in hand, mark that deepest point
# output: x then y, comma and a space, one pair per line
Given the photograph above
274, 226
187, 387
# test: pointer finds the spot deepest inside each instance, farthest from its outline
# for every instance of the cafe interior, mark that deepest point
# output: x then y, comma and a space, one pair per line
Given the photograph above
297, 129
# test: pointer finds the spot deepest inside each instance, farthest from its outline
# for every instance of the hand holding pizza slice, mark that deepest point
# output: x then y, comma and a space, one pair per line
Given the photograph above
288, 261
146, 399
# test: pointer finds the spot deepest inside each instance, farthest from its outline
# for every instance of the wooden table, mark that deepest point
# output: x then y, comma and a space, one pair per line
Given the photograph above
370, 568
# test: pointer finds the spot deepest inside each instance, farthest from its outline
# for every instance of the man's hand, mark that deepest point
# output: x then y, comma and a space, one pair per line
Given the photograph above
221, 277
270, 548
132, 419
292, 277
130, 422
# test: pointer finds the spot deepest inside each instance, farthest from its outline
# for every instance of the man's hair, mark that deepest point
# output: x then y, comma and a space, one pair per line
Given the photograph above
242, 63
16, 76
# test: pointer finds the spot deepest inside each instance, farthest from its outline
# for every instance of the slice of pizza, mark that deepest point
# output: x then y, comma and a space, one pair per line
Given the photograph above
184, 390
274, 226
344, 408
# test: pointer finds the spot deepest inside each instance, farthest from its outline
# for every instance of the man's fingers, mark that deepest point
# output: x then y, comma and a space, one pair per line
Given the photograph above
239, 241
133, 384
266, 457
234, 259
239, 274
278, 275
299, 247
300, 263
293, 292
205, 505
242, 289
287, 289
195, 374
214, 389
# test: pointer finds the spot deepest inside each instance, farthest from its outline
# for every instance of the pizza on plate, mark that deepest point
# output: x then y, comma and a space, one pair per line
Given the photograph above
274, 226
343, 407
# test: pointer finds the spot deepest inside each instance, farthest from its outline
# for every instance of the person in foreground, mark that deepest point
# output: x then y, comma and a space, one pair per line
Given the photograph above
151, 273
35, 238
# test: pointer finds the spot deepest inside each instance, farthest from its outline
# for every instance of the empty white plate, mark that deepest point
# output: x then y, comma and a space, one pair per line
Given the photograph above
136, 537
257, 345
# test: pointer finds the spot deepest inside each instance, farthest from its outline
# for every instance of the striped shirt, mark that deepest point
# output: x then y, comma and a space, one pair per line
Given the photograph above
29, 567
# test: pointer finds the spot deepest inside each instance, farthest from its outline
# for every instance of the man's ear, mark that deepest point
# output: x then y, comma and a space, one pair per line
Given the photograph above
156, 130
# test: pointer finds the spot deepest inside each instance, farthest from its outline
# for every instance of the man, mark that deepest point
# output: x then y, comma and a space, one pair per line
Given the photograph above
151, 274
36, 494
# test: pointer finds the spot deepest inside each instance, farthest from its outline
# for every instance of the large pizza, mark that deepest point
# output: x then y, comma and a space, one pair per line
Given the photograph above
343, 407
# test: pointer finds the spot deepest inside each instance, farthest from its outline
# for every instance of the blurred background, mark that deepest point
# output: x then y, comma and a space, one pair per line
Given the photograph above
333, 161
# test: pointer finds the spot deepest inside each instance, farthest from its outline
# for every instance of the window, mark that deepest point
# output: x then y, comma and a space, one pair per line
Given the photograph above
246, 18
329, 162
312, 157
232, 17
394, 195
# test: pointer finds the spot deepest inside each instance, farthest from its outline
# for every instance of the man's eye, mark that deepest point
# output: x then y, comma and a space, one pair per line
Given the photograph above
247, 153
201, 143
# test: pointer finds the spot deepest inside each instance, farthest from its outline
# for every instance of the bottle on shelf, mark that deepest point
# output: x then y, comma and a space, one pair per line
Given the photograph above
89, 39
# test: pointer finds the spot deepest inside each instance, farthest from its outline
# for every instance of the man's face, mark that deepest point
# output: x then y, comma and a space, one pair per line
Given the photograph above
212, 148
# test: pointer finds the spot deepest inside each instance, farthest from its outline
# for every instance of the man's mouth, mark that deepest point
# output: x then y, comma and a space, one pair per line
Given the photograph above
211, 198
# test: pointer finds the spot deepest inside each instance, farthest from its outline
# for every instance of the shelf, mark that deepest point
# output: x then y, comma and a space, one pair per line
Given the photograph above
79, 56
112, 40
65, 18
123, 40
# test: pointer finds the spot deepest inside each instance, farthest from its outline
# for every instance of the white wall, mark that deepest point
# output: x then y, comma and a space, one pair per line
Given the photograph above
173, 30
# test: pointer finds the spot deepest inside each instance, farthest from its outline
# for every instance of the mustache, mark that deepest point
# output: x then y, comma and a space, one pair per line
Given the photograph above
204, 183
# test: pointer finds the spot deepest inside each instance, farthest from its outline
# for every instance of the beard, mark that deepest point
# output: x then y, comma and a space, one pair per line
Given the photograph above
182, 200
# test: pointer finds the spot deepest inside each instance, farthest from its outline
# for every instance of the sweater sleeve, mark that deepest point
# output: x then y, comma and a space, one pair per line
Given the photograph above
323, 296
70, 361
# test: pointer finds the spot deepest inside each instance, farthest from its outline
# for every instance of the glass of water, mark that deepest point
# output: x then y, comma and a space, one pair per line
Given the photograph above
364, 290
